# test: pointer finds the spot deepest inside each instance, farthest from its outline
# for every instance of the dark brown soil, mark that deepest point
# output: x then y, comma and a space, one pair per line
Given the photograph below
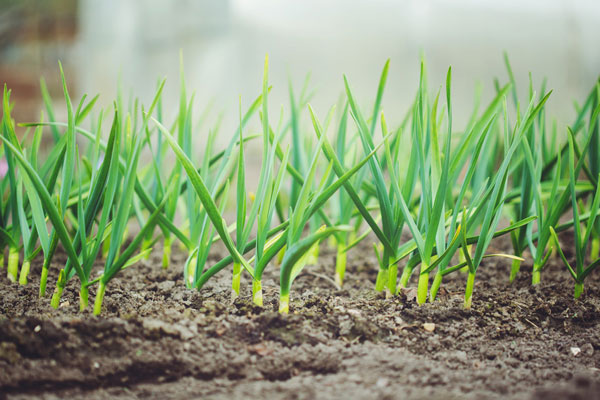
158, 340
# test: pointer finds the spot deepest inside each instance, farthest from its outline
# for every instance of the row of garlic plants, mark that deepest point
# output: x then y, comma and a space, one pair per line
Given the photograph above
347, 177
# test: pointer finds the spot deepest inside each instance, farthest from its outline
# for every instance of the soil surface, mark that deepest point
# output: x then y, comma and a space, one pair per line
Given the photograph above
158, 340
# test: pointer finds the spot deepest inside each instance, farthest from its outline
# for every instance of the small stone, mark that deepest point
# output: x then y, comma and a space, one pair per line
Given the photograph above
64, 304
461, 356
429, 326
96, 365
166, 286
345, 327
220, 331
186, 333
575, 351
382, 382
260, 349
354, 312
178, 297
587, 349
37, 328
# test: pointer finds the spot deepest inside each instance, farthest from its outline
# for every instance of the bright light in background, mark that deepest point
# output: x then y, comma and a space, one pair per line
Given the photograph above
224, 43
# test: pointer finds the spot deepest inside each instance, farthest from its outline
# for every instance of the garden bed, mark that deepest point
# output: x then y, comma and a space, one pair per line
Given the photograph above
158, 340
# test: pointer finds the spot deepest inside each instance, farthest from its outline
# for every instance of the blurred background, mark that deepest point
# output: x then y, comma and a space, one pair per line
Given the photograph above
224, 43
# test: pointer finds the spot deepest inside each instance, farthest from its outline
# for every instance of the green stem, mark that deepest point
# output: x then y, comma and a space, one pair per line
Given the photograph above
514, 269
24, 272
340, 264
280, 255
235, 279
60, 286
46, 265
392, 280
106, 246
406, 273
43, 280
462, 259
313, 254
99, 298
182, 246
125, 234
55, 302
332, 242
578, 289
595, 248
145, 245
166, 253
284, 303
423, 284
1, 258
382, 278
83, 298
435, 286
257, 294
536, 275
13, 264
191, 271
469, 290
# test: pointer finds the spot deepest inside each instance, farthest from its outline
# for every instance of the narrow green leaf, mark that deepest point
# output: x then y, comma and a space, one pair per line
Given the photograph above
204, 196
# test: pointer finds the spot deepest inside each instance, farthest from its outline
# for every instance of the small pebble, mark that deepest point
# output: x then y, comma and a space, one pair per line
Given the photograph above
587, 349
166, 286
575, 351
461, 356
356, 313
429, 326
382, 382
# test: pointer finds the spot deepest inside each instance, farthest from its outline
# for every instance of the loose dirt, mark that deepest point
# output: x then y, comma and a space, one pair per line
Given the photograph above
158, 340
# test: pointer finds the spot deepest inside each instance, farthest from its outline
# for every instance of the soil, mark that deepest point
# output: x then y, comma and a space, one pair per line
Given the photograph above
158, 340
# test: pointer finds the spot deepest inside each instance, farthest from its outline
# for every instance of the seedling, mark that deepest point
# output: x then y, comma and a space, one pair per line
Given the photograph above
582, 238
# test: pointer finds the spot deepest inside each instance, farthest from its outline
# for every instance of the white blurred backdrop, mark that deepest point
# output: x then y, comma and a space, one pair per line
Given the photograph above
224, 43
